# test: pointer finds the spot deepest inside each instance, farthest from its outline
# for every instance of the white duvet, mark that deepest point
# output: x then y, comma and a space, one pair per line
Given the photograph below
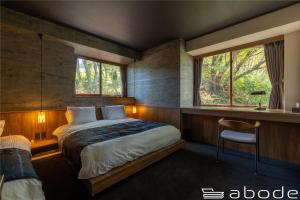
99, 158
21, 189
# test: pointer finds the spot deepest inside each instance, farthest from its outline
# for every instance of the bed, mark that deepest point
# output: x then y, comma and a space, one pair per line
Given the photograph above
107, 151
20, 180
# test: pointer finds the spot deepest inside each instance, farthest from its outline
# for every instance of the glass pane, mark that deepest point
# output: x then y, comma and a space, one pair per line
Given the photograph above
215, 81
87, 77
249, 74
111, 80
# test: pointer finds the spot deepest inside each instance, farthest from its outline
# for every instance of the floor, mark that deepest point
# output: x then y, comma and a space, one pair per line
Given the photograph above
179, 176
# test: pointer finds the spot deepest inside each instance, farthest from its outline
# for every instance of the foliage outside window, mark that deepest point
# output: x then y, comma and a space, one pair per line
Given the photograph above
111, 80
215, 83
96, 78
229, 78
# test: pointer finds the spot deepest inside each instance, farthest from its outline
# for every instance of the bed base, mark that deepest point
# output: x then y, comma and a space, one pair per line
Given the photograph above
100, 183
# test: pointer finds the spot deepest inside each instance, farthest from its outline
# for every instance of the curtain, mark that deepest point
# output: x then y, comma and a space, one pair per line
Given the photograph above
274, 54
124, 80
197, 80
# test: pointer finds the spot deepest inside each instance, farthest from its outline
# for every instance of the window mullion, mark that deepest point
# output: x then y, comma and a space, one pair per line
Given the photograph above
230, 88
100, 79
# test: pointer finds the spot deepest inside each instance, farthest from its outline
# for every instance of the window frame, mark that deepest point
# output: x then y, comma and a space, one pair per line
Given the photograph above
100, 77
230, 50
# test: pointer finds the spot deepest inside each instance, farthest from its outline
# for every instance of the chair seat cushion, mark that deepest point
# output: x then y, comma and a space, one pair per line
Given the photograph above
238, 136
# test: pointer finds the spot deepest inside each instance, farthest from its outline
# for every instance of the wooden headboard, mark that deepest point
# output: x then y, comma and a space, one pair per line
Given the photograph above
25, 123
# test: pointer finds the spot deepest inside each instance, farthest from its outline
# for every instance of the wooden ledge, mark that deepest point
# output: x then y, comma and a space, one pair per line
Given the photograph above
244, 113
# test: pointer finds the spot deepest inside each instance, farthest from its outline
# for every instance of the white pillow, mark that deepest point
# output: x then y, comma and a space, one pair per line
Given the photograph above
80, 115
2, 123
15, 141
113, 112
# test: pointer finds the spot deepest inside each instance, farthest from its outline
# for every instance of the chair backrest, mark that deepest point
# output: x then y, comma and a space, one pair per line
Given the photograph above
238, 125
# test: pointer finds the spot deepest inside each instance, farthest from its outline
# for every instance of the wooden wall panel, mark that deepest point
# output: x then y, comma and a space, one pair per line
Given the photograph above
159, 114
25, 123
278, 140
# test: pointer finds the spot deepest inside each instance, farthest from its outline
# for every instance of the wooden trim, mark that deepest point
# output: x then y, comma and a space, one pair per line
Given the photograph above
242, 46
227, 105
53, 154
238, 125
100, 183
113, 63
97, 95
159, 107
65, 108
100, 80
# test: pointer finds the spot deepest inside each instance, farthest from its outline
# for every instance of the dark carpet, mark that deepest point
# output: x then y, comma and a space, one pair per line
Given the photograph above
179, 176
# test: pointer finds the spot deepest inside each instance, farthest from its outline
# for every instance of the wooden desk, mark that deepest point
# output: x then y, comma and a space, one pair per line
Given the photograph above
279, 132
244, 113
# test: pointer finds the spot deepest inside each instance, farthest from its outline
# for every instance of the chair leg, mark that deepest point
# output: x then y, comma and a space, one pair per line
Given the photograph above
256, 157
258, 154
218, 149
223, 146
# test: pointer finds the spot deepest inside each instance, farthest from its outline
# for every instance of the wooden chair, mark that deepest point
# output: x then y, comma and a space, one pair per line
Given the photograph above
238, 131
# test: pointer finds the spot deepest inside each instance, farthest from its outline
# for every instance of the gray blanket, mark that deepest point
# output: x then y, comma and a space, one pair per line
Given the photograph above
16, 164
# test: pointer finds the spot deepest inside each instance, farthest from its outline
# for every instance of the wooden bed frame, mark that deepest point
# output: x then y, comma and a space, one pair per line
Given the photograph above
100, 183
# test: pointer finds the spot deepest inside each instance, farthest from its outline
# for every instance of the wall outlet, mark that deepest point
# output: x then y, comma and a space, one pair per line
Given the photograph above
40, 136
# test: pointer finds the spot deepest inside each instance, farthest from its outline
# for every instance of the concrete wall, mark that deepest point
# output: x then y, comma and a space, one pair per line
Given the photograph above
155, 79
163, 77
20, 73
291, 69
21, 20
186, 77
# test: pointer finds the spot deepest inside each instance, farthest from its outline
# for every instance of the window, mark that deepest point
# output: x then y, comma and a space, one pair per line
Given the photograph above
230, 78
215, 83
249, 74
97, 78
111, 80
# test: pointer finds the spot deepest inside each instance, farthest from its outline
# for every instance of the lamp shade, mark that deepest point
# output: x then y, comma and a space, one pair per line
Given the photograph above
134, 110
258, 93
41, 117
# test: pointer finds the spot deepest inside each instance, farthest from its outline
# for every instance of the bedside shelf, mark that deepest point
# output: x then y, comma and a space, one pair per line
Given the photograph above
44, 146
48, 154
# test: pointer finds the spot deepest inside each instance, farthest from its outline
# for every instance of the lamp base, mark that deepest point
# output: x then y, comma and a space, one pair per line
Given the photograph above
40, 136
260, 108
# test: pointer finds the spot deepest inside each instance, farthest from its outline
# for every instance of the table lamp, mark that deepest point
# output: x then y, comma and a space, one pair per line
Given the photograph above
259, 93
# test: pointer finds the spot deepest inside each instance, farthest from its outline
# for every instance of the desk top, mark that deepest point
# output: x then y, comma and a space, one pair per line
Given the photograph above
245, 113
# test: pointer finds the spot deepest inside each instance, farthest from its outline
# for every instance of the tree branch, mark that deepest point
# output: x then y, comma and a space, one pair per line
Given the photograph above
256, 67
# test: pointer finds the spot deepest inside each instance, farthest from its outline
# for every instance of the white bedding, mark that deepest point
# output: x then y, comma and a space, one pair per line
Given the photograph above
99, 158
21, 189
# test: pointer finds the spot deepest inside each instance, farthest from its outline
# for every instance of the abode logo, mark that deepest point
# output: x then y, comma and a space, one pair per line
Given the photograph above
209, 193
246, 193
